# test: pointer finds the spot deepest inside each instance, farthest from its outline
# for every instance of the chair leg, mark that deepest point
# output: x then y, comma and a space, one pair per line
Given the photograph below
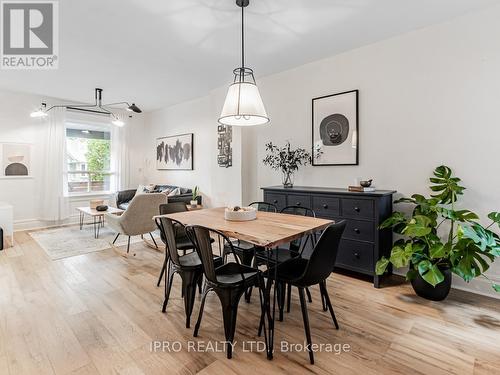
162, 272
202, 307
168, 286
322, 286
248, 292
153, 239
281, 299
323, 301
309, 298
229, 299
128, 244
289, 297
200, 284
189, 284
307, 329
117, 235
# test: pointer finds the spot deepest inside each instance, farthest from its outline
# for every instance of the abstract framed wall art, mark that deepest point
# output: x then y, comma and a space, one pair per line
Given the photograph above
175, 152
335, 137
16, 159
225, 137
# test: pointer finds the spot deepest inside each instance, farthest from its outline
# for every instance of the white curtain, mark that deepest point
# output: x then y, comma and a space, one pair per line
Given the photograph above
54, 204
119, 157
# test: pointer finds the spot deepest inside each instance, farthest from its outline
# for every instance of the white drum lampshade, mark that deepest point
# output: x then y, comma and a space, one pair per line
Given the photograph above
243, 106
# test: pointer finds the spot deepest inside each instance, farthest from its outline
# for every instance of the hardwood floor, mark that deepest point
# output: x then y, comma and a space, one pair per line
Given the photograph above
99, 314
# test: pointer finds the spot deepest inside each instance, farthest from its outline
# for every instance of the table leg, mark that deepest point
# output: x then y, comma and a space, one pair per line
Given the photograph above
271, 317
81, 220
95, 226
99, 225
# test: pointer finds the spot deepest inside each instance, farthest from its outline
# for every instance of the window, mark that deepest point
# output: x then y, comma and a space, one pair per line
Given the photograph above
88, 158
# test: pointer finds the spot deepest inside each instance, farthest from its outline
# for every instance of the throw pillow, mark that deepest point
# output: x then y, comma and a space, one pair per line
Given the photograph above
150, 188
176, 191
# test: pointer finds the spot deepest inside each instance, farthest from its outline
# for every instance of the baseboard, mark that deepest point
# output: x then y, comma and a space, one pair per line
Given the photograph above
34, 224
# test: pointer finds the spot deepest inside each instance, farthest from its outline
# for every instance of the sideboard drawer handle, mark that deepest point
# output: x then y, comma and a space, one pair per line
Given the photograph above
356, 209
298, 203
356, 255
325, 206
275, 201
356, 230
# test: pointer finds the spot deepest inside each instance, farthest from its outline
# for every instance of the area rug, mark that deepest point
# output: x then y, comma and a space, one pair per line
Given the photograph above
70, 241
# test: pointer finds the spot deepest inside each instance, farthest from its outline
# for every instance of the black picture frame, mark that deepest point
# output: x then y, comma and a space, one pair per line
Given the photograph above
190, 136
356, 162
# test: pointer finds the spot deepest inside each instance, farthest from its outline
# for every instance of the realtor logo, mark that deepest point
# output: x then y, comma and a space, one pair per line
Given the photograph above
29, 35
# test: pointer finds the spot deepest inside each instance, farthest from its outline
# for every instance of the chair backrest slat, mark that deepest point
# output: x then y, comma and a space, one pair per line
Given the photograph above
200, 236
172, 208
264, 206
299, 211
324, 254
167, 228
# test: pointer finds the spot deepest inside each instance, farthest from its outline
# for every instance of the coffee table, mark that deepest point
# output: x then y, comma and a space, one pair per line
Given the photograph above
97, 216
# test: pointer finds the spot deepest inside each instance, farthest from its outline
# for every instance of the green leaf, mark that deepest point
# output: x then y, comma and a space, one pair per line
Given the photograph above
381, 266
461, 215
495, 217
437, 250
446, 185
430, 272
418, 226
405, 200
400, 256
468, 259
496, 287
411, 274
394, 219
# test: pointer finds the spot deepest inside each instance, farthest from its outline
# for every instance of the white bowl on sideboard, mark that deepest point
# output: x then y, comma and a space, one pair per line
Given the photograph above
244, 214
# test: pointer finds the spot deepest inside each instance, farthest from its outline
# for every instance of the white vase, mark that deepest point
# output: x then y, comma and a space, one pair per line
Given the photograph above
194, 203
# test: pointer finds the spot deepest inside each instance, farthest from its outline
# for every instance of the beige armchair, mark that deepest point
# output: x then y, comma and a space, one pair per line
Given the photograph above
138, 218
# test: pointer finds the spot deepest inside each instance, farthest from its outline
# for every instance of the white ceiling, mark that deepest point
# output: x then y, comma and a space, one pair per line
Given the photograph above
160, 52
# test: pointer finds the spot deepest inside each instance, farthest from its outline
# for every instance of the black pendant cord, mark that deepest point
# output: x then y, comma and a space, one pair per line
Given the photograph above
242, 37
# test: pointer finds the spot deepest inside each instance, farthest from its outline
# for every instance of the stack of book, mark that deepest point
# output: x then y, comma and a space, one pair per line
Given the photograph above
361, 189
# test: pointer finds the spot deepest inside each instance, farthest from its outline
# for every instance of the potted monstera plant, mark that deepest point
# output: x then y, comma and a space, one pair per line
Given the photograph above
439, 240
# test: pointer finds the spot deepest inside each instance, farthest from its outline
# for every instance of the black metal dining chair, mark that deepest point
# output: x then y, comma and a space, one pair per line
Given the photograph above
188, 266
300, 247
229, 281
245, 250
182, 241
302, 273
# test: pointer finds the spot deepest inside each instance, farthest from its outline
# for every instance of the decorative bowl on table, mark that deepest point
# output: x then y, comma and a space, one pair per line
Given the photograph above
240, 213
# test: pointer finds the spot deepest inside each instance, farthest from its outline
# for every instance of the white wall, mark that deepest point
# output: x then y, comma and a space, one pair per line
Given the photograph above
17, 126
427, 98
219, 186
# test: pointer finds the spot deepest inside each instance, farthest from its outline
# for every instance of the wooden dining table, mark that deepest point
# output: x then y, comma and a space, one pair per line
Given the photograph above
269, 230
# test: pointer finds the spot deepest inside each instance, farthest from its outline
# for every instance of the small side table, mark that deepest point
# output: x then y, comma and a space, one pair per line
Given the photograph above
97, 216
7, 222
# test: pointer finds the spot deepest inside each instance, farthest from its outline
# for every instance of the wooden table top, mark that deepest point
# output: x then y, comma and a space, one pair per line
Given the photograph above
268, 230
94, 212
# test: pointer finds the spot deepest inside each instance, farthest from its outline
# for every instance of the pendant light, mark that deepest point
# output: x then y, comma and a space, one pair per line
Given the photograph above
243, 105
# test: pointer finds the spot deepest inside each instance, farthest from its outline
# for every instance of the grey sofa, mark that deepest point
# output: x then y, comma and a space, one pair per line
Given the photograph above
124, 197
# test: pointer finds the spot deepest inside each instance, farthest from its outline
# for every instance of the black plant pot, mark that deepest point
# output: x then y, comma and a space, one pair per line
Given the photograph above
427, 291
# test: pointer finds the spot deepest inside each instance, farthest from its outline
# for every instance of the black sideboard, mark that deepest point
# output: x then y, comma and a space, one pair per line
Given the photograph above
363, 243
